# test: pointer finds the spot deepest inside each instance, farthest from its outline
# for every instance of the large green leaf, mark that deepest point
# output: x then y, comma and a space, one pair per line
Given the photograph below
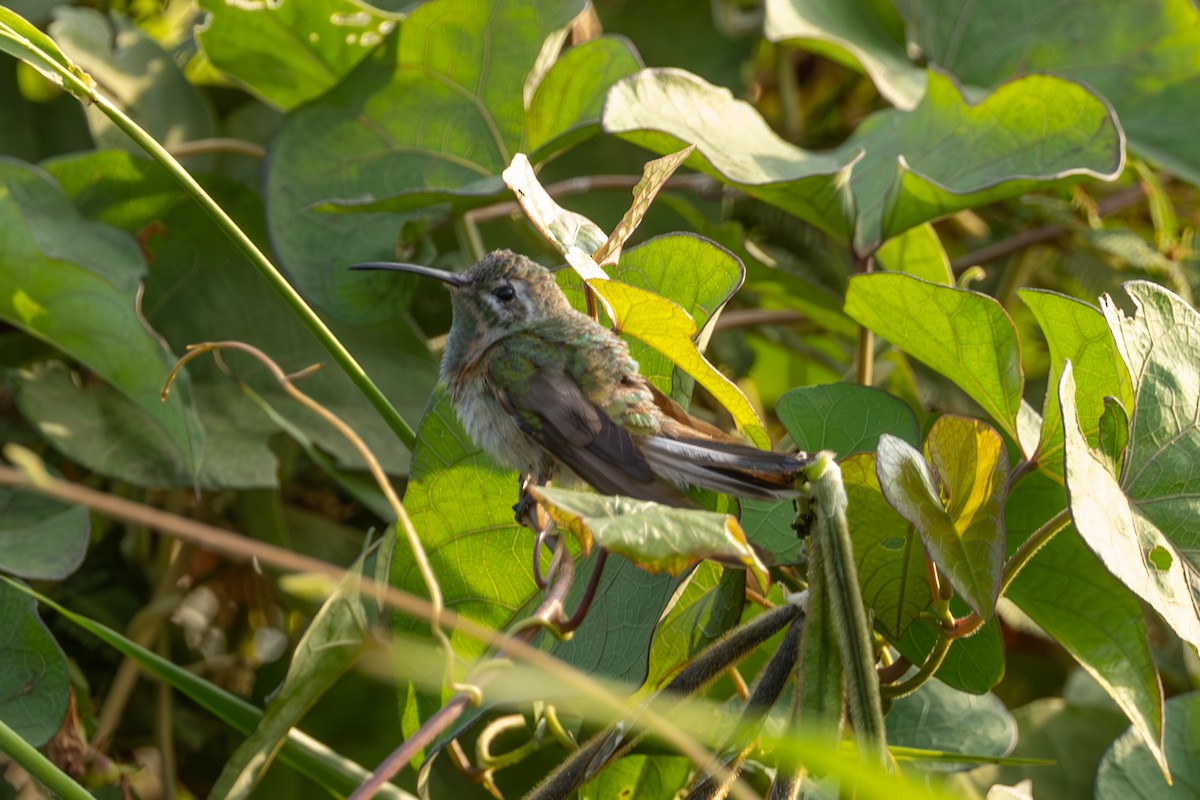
863, 34
844, 417
1067, 591
437, 110
966, 336
1143, 56
951, 153
72, 282
566, 104
1116, 526
41, 538
937, 717
98, 427
906, 168
668, 109
288, 53
133, 71
1129, 769
33, 684
194, 296
1077, 332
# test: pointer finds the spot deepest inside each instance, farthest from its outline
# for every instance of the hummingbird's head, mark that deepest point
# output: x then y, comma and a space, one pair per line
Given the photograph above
502, 293
506, 292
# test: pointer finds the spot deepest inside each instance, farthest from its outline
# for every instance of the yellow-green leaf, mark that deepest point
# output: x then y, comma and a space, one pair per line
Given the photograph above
669, 329
657, 538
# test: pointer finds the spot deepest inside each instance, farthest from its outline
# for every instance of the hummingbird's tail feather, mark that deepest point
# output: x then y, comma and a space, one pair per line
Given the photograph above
734, 469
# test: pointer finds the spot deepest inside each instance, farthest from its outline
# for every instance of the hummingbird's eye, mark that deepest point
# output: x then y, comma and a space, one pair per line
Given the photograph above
504, 293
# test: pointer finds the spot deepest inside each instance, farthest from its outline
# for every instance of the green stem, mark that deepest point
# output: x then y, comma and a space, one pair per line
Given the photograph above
1029, 548
932, 662
76, 85
40, 767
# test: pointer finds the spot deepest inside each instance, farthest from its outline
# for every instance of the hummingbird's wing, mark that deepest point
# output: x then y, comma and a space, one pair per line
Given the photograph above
554, 411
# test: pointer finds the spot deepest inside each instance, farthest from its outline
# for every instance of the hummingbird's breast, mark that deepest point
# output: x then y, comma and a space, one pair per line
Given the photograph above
478, 405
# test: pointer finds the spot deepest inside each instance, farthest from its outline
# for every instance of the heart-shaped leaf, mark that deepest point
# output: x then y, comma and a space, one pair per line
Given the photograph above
966, 336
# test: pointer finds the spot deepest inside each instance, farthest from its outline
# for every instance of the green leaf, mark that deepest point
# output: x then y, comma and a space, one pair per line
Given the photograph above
98, 427
1114, 525
1067, 591
655, 777
332, 644
34, 687
1074, 736
289, 53
40, 538
949, 153
1141, 56
666, 109
964, 335
1129, 769
628, 599
310, 757
689, 270
937, 717
1077, 332
859, 33
20, 38
72, 283
655, 537
965, 536
239, 304
567, 102
136, 74
669, 329
890, 557
708, 603
436, 109
919, 252
844, 417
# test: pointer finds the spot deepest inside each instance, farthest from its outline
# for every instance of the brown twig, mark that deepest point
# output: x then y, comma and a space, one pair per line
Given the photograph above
701, 184
1005, 247
202, 147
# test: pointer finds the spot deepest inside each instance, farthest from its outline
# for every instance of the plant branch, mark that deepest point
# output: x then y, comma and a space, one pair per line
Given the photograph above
1005, 247
701, 184
218, 145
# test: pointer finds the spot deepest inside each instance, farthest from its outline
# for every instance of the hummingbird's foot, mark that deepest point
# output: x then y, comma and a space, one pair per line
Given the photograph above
523, 507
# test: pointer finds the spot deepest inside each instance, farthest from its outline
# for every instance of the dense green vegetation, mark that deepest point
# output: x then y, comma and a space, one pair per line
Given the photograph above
949, 246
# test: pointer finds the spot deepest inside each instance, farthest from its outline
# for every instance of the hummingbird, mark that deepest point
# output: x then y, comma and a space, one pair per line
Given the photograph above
552, 393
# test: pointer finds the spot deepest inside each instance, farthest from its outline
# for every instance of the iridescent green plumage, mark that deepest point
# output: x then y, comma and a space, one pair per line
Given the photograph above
550, 392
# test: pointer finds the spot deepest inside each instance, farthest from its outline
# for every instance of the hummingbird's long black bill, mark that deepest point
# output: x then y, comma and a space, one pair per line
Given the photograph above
450, 278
